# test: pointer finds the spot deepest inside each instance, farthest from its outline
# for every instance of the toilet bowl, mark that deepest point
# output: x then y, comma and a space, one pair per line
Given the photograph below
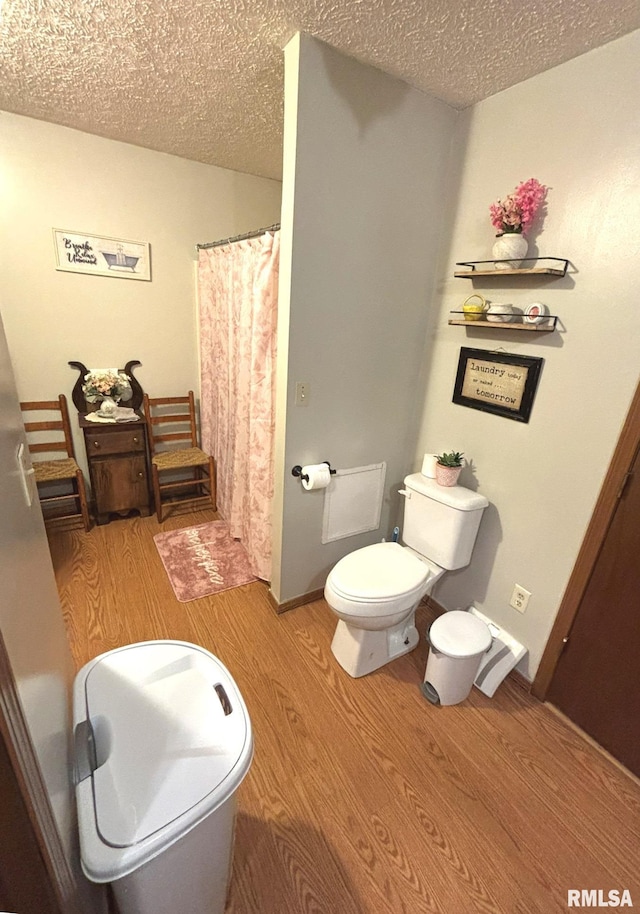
374, 591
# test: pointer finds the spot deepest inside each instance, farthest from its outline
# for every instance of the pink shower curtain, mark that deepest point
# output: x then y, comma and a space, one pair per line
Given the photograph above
238, 292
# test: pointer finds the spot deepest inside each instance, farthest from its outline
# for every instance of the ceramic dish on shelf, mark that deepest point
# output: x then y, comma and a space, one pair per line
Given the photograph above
499, 313
536, 313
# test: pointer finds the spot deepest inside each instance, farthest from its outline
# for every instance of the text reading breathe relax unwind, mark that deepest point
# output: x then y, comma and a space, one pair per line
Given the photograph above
500, 384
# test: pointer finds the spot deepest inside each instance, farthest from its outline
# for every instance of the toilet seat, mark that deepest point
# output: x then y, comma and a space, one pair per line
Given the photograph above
378, 574
374, 592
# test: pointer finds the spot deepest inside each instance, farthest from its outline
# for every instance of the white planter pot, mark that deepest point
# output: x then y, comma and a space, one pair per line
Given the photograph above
498, 313
508, 246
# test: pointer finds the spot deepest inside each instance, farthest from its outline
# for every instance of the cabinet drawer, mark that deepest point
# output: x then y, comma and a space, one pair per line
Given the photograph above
123, 441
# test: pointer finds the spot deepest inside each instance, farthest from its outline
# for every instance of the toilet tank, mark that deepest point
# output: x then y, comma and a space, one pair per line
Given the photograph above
441, 522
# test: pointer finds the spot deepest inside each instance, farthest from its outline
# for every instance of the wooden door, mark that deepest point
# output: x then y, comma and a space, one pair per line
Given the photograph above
25, 884
597, 680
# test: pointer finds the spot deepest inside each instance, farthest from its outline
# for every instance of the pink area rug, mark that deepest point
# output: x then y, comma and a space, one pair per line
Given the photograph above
203, 560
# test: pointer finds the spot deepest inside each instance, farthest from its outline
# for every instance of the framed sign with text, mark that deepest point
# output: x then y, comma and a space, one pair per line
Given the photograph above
79, 252
497, 382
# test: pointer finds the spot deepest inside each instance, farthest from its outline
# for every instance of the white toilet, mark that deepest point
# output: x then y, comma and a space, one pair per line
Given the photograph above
375, 590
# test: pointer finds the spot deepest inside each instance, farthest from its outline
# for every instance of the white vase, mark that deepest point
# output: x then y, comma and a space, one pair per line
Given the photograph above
499, 313
508, 246
108, 408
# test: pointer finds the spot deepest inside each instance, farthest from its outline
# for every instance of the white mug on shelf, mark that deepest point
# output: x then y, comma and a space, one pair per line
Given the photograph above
500, 313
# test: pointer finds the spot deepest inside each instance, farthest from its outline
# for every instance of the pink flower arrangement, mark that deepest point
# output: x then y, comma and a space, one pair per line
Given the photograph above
517, 211
106, 382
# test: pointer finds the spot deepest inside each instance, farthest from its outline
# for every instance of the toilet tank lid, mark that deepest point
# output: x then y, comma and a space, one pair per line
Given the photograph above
452, 496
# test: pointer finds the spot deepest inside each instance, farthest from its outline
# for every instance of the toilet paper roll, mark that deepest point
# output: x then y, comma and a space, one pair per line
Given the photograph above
429, 465
319, 476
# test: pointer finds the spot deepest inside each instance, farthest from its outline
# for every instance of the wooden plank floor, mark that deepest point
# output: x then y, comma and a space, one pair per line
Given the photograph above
362, 797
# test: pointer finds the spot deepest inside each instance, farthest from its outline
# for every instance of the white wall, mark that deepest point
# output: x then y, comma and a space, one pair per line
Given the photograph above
363, 204
54, 177
575, 128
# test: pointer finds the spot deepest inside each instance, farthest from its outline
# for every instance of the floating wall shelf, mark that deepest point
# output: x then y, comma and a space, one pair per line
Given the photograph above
548, 266
516, 322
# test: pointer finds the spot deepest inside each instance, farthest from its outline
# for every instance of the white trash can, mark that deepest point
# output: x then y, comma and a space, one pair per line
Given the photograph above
163, 740
457, 642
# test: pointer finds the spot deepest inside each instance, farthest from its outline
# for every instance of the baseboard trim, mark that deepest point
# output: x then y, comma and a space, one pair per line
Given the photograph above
589, 739
310, 597
433, 605
521, 681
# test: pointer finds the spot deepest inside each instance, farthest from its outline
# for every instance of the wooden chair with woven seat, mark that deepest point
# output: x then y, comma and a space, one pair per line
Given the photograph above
51, 434
175, 453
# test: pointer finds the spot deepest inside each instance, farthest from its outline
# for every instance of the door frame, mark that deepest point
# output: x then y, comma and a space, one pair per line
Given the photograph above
610, 493
56, 876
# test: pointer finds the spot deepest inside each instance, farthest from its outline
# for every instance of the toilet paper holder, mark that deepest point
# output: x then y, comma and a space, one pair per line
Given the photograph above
297, 471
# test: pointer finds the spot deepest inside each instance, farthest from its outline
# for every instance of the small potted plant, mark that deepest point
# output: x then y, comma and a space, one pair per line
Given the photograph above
448, 468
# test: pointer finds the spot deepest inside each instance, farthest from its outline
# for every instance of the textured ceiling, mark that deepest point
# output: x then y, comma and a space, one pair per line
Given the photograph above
203, 79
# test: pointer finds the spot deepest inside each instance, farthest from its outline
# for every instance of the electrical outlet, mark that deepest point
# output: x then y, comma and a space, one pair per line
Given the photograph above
519, 598
302, 393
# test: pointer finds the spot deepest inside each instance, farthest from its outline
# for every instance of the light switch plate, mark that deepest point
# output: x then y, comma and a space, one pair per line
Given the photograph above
302, 393
27, 475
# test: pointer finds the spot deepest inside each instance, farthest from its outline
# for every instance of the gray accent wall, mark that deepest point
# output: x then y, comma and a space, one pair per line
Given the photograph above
364, 200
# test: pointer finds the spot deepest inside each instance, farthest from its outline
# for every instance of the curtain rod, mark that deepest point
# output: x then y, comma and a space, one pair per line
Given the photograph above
215, 244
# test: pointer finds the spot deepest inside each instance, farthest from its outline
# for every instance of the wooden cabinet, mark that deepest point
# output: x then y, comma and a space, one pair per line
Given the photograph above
118, 459
118, 454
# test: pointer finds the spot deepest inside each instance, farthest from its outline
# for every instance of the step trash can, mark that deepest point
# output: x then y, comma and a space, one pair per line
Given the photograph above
162, 741
457, 642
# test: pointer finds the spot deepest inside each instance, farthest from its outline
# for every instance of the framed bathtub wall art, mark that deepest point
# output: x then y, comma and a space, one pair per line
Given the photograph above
497, 382
100, 255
